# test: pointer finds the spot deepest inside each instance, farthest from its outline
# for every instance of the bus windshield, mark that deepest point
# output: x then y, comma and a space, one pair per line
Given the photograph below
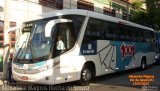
38, 44
40, 48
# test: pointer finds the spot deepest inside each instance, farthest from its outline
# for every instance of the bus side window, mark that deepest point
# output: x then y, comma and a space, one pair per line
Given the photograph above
64, 39
121, 33
133, 33
111, 32
147, 36
94, 30
141, 35
153, 36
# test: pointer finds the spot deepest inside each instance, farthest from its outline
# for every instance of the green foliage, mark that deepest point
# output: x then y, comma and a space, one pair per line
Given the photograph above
153, 9
151, 17
137, 5
140, 17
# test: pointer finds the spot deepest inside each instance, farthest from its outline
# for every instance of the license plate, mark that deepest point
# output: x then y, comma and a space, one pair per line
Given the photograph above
24, 78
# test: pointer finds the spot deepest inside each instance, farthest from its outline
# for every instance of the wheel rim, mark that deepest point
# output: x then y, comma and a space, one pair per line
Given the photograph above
86, 75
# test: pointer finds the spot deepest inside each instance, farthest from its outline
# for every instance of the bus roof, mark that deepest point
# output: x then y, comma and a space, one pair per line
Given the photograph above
90, 14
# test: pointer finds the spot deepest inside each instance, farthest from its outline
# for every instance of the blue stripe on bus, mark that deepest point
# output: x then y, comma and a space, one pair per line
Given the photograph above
125, 61
91, 49
40, 63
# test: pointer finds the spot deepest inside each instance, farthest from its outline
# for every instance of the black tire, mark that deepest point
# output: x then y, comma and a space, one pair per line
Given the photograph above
86, 76
143, 64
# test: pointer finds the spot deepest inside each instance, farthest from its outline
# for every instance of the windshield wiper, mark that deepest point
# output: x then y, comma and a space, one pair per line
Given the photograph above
19, 51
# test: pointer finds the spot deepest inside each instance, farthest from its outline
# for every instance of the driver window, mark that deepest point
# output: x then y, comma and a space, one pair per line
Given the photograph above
64, 38
60, 44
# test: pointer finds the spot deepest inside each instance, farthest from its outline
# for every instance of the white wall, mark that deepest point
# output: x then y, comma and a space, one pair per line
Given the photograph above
21, 10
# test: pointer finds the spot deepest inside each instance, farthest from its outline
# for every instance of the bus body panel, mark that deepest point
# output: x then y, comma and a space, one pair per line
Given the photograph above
108, 56
34, 72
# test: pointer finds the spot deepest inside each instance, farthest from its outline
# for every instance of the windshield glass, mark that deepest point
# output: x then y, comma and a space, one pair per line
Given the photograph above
37, 47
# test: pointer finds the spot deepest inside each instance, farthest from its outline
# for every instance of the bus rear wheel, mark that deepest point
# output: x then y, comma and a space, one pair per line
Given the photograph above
143, 64
86, 76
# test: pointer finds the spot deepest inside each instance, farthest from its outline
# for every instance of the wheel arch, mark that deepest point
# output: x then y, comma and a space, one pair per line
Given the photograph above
144, 59
91, 64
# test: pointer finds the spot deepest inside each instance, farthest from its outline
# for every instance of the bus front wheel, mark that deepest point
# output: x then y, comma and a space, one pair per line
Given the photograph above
86, 76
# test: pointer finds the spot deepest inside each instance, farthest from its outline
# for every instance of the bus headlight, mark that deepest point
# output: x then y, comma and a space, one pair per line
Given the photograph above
157, 56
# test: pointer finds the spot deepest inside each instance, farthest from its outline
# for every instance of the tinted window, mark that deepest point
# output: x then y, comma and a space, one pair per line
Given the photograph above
104, 30
111, 31
95, 30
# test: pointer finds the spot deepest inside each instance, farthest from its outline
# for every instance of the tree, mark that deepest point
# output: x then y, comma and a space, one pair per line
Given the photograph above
150, 17
153, 9
140, 17
137, 5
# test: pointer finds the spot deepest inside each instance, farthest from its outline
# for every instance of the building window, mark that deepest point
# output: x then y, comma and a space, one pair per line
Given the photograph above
109, 11
124, 15
82, 4
12, 34
1, 38
1, 27
12, 39
1, 31
58, 4
1, 44
12, 24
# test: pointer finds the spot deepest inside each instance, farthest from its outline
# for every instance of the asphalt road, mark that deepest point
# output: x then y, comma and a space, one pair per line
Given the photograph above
122, 82
130, 80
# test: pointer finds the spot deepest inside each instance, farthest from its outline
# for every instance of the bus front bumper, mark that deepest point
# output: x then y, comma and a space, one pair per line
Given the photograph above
45, 77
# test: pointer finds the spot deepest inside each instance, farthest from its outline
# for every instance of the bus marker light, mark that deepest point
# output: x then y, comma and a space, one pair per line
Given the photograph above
59, 78
156, 57
70, 76
133, 65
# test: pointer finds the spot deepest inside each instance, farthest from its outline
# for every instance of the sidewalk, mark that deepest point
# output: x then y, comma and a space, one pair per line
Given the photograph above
1, 82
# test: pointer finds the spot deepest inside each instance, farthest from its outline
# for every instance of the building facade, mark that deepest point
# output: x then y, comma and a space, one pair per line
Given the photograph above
22, 10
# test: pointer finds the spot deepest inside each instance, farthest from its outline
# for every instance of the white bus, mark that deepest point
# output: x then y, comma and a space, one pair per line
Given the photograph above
78, 45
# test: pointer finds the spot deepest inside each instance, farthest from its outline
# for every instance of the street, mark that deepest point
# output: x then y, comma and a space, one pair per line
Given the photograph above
121, 82
113, 82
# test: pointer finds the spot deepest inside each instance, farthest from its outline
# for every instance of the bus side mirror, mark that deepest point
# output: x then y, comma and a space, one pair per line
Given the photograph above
51, 24
12, 29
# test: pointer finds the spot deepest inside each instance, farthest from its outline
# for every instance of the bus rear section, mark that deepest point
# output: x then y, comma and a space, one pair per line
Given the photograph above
157, 47
117, 46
